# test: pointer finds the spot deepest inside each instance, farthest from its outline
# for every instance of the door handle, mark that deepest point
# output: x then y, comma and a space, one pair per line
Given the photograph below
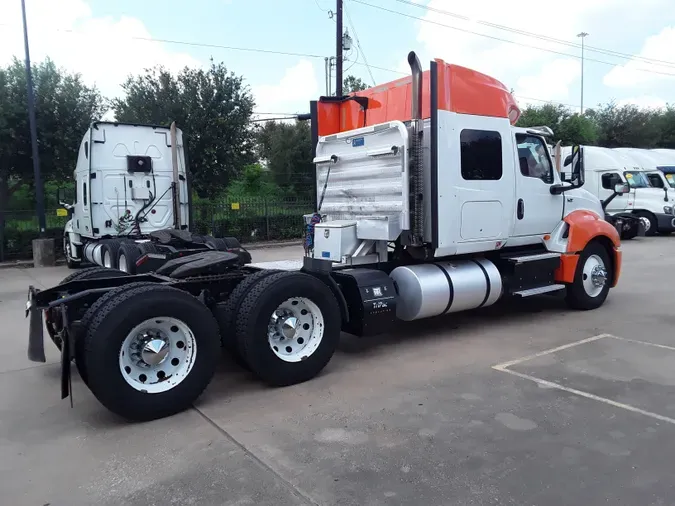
521, 209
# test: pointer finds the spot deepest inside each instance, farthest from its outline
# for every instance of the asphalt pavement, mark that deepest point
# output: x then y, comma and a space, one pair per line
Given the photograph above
523, 403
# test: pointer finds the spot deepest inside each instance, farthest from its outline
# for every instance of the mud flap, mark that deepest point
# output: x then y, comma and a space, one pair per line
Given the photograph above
36, 342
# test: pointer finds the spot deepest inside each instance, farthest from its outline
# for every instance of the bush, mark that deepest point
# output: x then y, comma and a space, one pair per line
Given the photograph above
19, 243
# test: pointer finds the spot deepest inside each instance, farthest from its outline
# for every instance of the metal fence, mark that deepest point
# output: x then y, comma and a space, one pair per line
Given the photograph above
249, 220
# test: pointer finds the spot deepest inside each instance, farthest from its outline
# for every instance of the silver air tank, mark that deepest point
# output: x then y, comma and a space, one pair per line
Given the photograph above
427, 290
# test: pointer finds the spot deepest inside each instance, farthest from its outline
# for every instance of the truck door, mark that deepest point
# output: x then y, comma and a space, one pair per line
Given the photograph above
608, 180
82, 210
537, 210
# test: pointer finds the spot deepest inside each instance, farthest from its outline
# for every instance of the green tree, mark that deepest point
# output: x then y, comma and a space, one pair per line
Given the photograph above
213, 107
286, 149
352, 84
254, 181
64, 107
626, 126
568, 127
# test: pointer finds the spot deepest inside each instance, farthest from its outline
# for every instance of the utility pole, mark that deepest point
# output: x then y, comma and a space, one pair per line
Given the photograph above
39, 191
583, 35
338, 50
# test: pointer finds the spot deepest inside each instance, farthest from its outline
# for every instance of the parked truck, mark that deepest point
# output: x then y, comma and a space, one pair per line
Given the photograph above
131, 205
430, 200
606, 171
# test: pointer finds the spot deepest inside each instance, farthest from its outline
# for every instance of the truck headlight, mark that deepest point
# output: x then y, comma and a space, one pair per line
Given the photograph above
668, 209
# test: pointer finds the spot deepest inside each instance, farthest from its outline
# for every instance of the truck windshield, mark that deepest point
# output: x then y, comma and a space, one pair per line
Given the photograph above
669, 173
636, 179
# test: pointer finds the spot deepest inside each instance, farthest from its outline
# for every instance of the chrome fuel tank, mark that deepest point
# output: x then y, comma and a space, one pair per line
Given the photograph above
433, 289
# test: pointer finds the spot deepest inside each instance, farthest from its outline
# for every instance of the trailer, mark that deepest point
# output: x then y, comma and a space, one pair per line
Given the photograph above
131, 205
430, 202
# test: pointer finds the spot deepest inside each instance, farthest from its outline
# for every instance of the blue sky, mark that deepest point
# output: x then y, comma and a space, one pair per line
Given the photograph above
102, 40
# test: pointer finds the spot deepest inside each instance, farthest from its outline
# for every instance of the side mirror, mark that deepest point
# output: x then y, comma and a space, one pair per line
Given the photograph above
576, 160
64, 195
621, 188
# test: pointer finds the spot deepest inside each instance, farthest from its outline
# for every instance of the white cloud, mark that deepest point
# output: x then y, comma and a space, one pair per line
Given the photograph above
631, 74
292, 94
553, 81
503, 60
104, 50
644, 101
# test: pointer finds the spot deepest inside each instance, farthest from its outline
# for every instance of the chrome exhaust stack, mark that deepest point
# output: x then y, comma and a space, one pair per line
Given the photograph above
417, 168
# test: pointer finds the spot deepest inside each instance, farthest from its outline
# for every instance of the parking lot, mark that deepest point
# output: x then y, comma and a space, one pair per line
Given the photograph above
524, 403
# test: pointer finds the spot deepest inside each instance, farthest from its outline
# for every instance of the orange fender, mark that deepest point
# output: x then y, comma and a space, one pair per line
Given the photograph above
585, 226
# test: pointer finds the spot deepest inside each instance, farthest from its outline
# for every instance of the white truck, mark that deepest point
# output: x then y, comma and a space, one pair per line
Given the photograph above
430, 202
654, 198
131, 203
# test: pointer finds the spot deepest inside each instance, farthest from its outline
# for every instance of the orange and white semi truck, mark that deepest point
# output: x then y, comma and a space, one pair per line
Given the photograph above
430, 201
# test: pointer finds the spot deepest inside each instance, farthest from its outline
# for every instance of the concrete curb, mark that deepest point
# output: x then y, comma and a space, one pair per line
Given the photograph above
28, 264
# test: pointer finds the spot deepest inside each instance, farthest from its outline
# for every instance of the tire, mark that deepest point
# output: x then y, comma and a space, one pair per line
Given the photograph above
650, 222
582, 294
146, 247
226, 314
70, 263
193, 345
88, 273
85, 322
127, 255
288, 290
109, 253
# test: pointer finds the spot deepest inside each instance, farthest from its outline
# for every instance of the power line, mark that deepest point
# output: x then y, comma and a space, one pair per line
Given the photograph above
608, 52
358, 45
501, 39
250, 49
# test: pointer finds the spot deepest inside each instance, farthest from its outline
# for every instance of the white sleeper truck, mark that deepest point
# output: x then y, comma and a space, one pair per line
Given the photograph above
430, 202
130, 207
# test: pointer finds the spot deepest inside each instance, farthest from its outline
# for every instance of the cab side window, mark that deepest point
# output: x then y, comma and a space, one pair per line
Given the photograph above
533, 158
610, 180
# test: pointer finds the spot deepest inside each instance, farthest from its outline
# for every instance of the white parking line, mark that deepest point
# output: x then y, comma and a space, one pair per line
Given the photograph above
504, 367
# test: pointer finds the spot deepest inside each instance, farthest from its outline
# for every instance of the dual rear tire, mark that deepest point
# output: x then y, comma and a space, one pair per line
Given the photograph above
147, 350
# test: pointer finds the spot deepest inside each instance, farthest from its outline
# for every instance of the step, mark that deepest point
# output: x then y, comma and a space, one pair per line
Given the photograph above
533, 258
539, 290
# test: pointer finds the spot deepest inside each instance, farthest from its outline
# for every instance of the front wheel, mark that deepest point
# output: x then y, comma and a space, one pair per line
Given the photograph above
592, 278
150, 351
649, 221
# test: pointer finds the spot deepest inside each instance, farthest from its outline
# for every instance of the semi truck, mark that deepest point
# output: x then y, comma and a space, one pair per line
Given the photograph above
130, 208
430, 201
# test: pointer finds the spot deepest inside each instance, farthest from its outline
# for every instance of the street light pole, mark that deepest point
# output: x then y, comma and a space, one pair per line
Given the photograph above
583, 35
338, 50
39, 191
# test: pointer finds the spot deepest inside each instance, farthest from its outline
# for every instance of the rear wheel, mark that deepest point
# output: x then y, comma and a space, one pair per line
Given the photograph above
288, 328
109, 253
151, 351
127, 255
592, 278
226, 314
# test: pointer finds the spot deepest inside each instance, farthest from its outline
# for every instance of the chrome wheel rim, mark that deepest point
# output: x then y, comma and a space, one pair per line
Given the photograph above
295, 329
123, 263
646, 222
157, 355
107, 261
594, 276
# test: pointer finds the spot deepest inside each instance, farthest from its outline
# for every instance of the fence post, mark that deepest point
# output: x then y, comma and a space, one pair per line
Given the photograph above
267, 220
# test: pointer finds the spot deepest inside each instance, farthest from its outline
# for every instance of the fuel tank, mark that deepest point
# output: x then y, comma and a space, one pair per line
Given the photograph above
433, 289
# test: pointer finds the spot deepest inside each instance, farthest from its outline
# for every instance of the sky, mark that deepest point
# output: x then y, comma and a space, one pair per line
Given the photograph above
532, 48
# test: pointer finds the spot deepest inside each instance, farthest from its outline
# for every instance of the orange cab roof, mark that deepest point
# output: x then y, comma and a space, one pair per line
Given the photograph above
459, 89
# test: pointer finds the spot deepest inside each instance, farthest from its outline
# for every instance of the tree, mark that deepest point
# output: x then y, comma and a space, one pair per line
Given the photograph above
352, 84
254, 181
212, 107
568, 127
286, 148
64, 108
627, 126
